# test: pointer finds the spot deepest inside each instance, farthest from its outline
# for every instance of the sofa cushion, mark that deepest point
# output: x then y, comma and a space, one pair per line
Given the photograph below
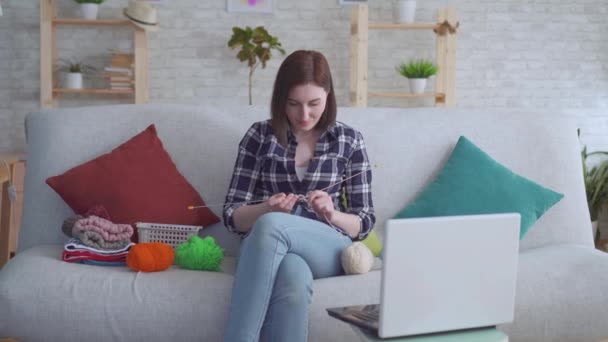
137, 181
372, 241
75, 302
560, 295
471, 182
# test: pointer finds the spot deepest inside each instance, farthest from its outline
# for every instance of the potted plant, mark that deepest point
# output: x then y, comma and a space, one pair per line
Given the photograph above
73, 73
596, 186
256, 48
417, 72
406, 11
89, 8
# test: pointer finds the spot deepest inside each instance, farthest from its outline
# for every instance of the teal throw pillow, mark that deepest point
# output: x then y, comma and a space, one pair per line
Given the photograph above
471, 182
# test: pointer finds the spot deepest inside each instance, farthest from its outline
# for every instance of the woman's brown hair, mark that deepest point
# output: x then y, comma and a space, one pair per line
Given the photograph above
299, 68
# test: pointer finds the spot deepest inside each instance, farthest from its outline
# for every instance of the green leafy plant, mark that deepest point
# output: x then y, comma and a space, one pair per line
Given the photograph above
89, 1
420, 68
68, 65
256, 48
596, 181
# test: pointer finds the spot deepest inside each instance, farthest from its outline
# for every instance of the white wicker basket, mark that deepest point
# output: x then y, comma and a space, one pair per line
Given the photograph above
171, 234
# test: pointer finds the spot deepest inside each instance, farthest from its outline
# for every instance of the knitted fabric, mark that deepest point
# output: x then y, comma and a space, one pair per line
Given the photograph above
199, 254
150, 257
96, 240
108, 230
96, 210
68, 224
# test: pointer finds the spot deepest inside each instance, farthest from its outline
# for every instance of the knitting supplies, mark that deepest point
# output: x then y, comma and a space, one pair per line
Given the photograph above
171, 234
300, 196
199, 254
356, 258
150, 257
68, 224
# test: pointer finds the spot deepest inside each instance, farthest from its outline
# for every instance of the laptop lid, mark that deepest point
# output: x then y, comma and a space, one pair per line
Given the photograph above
448, 273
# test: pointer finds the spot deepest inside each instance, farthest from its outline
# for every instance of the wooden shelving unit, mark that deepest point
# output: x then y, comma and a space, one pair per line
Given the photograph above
49, 22
444, 94
85, 22
93, 91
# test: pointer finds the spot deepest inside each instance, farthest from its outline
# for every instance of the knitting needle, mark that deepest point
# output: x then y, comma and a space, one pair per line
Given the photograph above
301, 197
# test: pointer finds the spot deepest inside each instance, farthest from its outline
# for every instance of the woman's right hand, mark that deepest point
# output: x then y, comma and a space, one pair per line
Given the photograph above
281, 202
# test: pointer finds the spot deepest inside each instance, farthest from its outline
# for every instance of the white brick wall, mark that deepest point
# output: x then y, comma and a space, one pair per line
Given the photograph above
526, 54
550, 54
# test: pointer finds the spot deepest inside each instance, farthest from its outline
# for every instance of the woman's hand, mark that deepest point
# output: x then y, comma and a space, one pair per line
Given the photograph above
321, 203
281, 202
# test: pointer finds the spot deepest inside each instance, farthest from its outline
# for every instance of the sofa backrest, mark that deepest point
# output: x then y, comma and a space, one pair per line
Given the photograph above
409, 147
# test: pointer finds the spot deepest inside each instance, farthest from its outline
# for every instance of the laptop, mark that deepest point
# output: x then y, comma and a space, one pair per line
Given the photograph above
443, 274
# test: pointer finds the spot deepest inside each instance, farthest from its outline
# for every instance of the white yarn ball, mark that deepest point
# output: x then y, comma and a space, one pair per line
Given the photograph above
357, 258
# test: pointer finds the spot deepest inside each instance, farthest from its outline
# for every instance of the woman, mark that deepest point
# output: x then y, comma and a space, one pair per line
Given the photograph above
285, 199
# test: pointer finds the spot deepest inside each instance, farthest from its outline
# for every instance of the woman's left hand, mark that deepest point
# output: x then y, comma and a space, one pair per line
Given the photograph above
321, 203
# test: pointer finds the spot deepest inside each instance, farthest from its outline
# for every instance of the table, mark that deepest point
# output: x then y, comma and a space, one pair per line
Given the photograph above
470, 335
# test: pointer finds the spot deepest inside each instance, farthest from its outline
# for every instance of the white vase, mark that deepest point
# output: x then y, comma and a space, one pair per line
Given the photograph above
417, 85
89, 11
73, 80
406, 11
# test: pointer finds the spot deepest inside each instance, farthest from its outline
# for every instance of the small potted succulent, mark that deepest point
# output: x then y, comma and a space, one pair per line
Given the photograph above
89, 8
73, 73
417, 72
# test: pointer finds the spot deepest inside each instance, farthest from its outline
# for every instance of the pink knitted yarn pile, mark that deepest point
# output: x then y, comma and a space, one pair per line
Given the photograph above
108, 230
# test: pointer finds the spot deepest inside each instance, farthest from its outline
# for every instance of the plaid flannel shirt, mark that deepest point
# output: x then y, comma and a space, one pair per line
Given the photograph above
264, 167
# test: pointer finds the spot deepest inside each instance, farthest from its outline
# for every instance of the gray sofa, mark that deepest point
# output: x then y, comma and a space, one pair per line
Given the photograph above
561, 278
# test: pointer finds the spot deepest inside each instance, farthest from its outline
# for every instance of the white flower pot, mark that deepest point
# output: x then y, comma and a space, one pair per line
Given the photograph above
417, 85
89, 11
406, 11
73, 80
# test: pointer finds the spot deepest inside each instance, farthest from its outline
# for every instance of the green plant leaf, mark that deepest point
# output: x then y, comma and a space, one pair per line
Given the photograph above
595, 180
256, 46
421, 68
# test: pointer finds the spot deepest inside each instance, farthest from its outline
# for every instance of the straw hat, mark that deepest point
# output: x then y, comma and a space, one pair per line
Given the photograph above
142, 15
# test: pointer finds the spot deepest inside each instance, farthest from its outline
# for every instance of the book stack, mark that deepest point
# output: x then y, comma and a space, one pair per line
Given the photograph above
120, 70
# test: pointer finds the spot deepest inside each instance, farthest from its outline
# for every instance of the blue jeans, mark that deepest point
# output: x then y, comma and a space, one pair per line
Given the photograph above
273, 282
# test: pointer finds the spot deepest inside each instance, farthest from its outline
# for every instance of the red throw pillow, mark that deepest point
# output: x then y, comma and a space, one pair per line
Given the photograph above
136, 182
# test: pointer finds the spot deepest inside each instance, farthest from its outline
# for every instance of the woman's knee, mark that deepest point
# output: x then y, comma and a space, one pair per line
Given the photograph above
294, 280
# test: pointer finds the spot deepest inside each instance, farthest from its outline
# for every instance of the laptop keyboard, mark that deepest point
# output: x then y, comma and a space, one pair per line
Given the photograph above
370, 316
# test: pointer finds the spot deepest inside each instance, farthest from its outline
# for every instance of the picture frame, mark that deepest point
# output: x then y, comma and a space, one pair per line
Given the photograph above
250, 6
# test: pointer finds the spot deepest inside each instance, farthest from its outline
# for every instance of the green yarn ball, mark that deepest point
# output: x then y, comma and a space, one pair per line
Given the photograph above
199, 254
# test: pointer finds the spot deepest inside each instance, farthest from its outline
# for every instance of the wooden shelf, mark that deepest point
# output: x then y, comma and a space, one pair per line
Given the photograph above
437, 96
445, 44
98, 22
391, 26
50, 24
92, 91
